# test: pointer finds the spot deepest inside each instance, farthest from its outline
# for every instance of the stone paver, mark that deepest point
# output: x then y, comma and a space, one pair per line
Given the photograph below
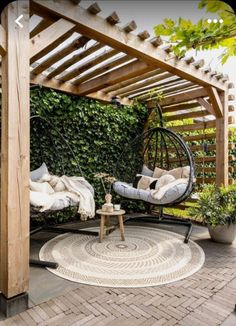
205, 298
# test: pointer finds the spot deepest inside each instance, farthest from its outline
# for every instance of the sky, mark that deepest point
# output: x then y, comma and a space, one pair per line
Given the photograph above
149, 13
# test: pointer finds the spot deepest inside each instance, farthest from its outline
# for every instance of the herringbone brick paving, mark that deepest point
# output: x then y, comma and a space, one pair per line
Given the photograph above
205, 298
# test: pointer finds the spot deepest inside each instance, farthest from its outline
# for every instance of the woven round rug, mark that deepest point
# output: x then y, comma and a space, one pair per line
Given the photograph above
147, 257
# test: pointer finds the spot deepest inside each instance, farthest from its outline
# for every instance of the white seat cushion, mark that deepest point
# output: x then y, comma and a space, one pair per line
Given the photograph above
128, 191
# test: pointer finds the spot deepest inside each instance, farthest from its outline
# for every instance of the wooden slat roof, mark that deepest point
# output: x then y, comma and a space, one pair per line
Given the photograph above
76, 51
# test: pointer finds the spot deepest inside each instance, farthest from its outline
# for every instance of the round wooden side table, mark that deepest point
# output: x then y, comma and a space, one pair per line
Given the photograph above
105, 222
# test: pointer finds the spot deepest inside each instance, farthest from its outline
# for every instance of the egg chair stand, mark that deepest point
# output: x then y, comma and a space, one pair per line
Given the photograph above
36, 213
164, 219
162, 148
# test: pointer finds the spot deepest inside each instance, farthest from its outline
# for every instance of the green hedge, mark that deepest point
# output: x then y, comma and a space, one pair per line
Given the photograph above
96, 133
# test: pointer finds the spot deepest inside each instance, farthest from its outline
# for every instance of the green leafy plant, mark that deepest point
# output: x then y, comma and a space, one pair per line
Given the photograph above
216, 205
204, 35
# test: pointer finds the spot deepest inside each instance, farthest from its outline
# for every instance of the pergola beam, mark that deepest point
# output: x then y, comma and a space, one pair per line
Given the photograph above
75, 58
3, 43
160, 75
78, 43
206, 105
88, 65
222, 160
123, 73
184, 96
131, 81
102, 69
53, 83
162, 85
151, 93
99, 29
215, 101
43, 24
50, 38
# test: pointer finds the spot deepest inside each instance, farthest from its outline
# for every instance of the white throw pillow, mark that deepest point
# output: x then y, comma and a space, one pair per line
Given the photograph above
181, 172
144, 182
54, 181
164, 180
43, 187
38, 173
159, 172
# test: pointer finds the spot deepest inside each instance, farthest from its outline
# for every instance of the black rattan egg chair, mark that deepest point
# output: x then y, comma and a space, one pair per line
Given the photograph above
43, 127
162, 148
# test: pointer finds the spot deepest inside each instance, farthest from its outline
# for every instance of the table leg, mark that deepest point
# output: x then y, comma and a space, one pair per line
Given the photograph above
102, 223
107, 224
122, 230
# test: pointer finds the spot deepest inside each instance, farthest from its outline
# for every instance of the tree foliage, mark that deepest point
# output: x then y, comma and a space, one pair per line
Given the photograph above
185, 35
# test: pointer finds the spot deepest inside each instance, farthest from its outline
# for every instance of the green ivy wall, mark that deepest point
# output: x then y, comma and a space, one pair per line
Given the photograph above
97, 134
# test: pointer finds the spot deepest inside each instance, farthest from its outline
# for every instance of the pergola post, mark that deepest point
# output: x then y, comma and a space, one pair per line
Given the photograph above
14, 219
222, 143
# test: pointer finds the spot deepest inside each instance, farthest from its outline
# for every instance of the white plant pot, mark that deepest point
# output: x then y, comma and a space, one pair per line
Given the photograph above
223, 233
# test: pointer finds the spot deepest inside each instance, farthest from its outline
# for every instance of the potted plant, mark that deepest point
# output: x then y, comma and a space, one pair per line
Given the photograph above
217, 208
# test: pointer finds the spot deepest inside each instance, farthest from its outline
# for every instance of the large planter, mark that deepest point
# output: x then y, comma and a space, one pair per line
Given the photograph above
223, 233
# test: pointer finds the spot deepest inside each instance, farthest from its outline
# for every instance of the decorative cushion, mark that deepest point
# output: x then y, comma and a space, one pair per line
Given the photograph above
171, 188
136, 180
146, 171
43, 187
181, 172
54, 181
178, 173
164, 180
37, 174
158, 172
144, 182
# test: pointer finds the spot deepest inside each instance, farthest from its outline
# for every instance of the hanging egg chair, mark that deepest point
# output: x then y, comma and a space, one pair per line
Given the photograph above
163, 175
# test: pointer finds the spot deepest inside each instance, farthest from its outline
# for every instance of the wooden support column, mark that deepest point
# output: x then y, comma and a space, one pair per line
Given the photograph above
222, 143
14, 219
2, 41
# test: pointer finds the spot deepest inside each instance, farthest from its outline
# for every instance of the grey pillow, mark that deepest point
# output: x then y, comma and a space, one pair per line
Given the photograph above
38, 173
146, 171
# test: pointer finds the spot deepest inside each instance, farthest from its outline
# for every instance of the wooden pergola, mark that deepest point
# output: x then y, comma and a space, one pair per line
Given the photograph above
74, 50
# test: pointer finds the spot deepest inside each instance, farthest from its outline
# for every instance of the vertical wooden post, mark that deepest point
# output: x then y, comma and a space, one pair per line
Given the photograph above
14, 219
222, 143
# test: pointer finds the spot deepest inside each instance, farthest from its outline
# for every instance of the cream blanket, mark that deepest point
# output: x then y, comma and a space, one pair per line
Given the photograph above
55, 193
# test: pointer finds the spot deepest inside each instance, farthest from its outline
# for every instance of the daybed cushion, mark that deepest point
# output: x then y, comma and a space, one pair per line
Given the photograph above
56, 201
38, 173
128, 191
43, 187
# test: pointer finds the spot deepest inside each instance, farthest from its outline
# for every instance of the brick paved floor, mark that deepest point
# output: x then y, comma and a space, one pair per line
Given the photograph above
205, 298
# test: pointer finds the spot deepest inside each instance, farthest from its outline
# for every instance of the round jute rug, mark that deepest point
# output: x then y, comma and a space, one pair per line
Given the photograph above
147, 257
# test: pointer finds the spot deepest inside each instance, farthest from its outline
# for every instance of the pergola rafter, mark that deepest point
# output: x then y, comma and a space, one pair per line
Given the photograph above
76, 44
73, 50
75, 59
97, 28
